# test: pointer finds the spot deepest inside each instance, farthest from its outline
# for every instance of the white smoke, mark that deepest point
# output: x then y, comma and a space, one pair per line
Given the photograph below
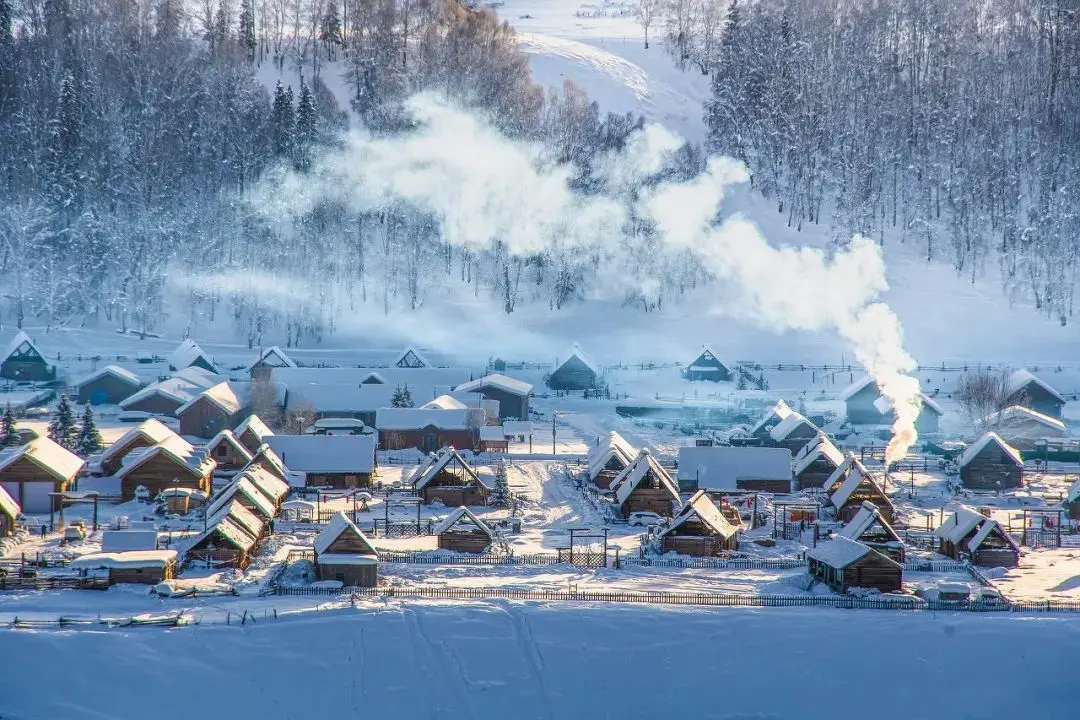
483, 187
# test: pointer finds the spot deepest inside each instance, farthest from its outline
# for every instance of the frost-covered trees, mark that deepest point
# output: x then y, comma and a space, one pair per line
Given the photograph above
89, 439
8, 436
401, 398
63, 428
646, 12
500, 494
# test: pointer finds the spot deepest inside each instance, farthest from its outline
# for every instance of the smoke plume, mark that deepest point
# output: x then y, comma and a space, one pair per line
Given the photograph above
484, 188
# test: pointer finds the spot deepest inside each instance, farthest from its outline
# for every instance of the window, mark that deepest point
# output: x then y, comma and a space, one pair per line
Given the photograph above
221, 450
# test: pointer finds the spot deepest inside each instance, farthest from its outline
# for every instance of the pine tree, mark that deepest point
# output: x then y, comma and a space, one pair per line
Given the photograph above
65, 147
402, 397
330, 31
8, 436
62, 429
221, 24
169, 18
6, 14
283, 122
89, 440
304, 137
740, 384
500, 494
247, 26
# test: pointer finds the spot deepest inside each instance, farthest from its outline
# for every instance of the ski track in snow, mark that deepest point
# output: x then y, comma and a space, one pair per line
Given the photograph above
619, 69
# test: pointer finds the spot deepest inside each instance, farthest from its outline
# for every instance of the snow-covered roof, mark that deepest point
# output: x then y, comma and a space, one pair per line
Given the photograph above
8, 505
124, 560
349, 559
856, 476
788, 425
181, 388
884, 405
842, 470
979, 445
492, 432
704, 509
115, 371
232, 510
464, 516
707, 350
267, 454
779, 410
444, 402
721, 467
17, 342
182, 492
959, 524
422, 467
198, 376
988, 527
339, 424
841, 552
196, 460
410, 357
51, 457
614, 446
325, 453
1016, 414
230, 531
435, 464
518, 427
500, 382
242, 485
391, 418
125, 540
153, 431
868, 514
855, 388
274, 357
1022, 378
339, 524
270, 486
186, 354
255, 425
226, 436
822, 449
632, 475
576, 352
1074, 492
340, 398
222, 395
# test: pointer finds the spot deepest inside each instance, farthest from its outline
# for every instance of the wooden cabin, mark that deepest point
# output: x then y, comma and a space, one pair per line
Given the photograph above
30, 472
870, 528
167, 396
337, 461
145, 567
169, 464
645, 486
145, 434
1023, 428
223, 544
816, 462
1071, 502
1029, 391
110, 385
268, 461
181, 501
429, 428
707, 366
270, 358
700, 529
793, 432
462, 531
843, 564
343, 553
252, 433
492, 439
859, 486
273, 488
189, 354
720, 467
772, 417
970, 535
608, 459
577, 372
9, 513
511, 394
865, 405
247, 494
448, 479
228, 451
990, 463
212, 411
21, 361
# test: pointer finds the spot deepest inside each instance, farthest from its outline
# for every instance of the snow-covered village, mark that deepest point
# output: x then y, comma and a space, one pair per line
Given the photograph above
470, 359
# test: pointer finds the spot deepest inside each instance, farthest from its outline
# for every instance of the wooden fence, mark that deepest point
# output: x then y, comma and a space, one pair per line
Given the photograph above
8, 582
96, 623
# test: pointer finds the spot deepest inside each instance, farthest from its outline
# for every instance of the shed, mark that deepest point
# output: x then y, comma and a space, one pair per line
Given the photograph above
223, 544
21, 360
171, 463
843, 564
188, 354
110, 385
343, 553
720, 467
870, 527
1022, 428
865, 405
31, 472
990, 463
147, 567
1027, 390
859, 486
511, 394
9, 513
272, 487
777, 413
577, 372
816, 462
252, 433
213, 410
128, 540
146, 434
338, 461
970, 534
245, 492
269, 461
448, 479
428, 429
700, 529
708, 366
269, 358
462, 531
228, 451
645, 486
793, 432
181, 500
492, 439
608, 459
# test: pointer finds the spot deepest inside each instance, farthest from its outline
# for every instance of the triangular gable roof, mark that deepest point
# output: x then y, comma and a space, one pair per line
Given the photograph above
867, 517
600, 461
1015, 413
507, 384
701, 506
445, 456
153, 430
842, 469
272, 356
226, 436
373, 378
856, 478
707, 352
17, 342
410, 357
254, 424
221, 395
1022, 378
842, 552
340, 524
444, 402
979, 445
884, 404
823, 448
270, 486
115, 371
991, 526
855, 388
964, 521
779, 410
422, 467
629, 479
242, 486
229, 530
458, 516
8, 506
788, 425
248, 521
272, 459
51, 457
197, 461
576, 352
188, 353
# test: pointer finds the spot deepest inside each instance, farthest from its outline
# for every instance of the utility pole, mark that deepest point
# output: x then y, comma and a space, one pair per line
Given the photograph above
554, 415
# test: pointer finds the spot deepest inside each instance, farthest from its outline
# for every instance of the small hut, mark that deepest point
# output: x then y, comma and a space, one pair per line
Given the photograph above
337, 461
252, 433
608, 459
776, 414
181, 500
224, 544
343, 553
1022, 428
270, 462
270, 358
147, 567
816, 462
462, 531
22, 361
171, 463
865, 405
721, 467
708, 366
243, 491
971, 535
210, 412
793, 432
843, 564
228, 451
511, 394
146, 434
1031, 392
448, 479
859, 486
273, 488
645, 486
577, 372
110, 385
990, 463
870, 528
492, 439
32, 472
9, 513
188, 354
700, 529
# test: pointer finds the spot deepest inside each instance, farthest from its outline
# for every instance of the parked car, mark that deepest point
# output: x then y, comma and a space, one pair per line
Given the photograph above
644, 519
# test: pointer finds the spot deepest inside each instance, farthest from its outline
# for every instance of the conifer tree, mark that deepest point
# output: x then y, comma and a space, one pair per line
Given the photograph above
221, 24
402, 397
283, 122
63, 428
330, 31
305, 127
89, 440
8, 436
500, 494
247, 26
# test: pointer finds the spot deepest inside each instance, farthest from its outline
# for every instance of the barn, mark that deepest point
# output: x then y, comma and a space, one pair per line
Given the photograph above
224, 543
1022, 428
228, 451
343, 553
22, 361
990, 463
843, 564
188, 354
146, 434
708, 366
245, 492
448, 479
270, 358
968, 534
700, 529
337, 461
171, 463
32, 471
856, 485
212, 411
793, 432
429, 428
645, 486
110, 385
870, 528
462, 531
1026, 389
252, 433
146, 567
816, 462
776, 414
865, 405
9, 513
608, 459
511, 394
577, 372
734, 468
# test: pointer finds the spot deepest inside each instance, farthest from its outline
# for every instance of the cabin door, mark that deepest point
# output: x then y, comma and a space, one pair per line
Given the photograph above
98, 397
431, 441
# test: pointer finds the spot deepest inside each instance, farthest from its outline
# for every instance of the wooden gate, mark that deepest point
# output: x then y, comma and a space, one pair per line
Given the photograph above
1033, 538
583, 557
